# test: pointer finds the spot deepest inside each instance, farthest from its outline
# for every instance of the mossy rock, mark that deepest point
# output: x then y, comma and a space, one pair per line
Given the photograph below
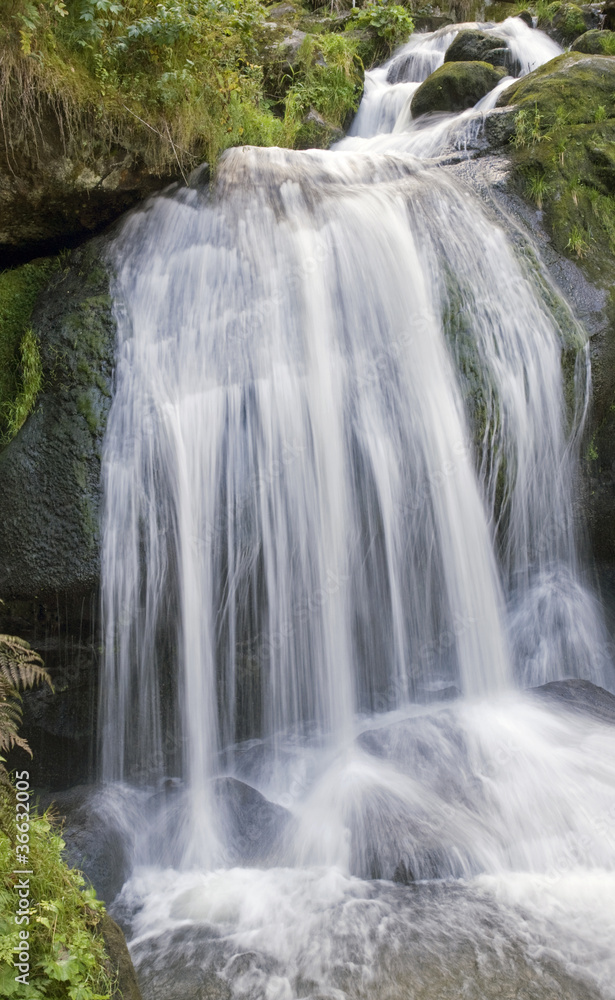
595, 43
478, 46
50, 472
455, 86
566, 21
576, 83
19, 289
316, 133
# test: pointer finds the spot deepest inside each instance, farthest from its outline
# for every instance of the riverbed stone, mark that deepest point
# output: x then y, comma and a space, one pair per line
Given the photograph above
478, 46
455, 86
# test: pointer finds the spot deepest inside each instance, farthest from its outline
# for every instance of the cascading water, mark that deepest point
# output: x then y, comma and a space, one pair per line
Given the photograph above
338, 532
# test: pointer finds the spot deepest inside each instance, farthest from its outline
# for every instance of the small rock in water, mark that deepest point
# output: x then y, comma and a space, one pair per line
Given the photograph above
255, 826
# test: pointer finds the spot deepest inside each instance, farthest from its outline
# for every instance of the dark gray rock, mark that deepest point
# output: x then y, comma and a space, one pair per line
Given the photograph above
94, 843
120, 961
254, 827
580, 696
50, 472
455, 86
500, 126
478, 46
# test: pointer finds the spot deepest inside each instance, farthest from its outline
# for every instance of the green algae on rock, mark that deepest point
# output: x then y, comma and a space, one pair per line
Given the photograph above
595, 42
50, 472
455, 86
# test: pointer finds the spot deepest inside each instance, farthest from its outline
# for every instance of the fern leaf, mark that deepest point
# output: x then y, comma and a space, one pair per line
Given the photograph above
20, 665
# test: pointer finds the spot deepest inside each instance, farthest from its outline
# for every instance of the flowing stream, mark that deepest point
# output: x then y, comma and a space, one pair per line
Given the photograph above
339, 546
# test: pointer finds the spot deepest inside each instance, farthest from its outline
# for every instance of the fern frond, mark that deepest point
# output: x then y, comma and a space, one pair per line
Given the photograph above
20, 665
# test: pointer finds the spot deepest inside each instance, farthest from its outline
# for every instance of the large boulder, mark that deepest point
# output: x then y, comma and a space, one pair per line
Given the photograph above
576, 83
455, 86
579, 696
254, 827
478, 46
50, 472
595, 43
50, 495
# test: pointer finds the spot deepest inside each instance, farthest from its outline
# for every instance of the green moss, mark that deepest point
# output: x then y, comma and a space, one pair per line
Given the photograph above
564, 155
456, 86
67, 954
566, 19
595, 42
20, 364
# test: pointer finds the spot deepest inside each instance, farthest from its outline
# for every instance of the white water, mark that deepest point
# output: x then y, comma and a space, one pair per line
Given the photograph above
339, 475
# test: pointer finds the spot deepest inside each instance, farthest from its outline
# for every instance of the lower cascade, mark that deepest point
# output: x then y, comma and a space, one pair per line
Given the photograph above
339, 549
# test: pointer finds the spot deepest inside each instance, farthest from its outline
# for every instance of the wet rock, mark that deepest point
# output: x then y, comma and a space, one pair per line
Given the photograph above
455, 86
94, 844
120, 961
50, 472
580, 696
595, 42
254, 827
527, 18
499, 126
478, 46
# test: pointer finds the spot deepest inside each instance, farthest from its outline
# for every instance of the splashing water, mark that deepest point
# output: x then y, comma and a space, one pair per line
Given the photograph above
339, 474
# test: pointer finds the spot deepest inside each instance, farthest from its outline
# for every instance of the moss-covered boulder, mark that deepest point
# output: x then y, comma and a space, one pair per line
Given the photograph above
595, 42
455, 86
577, 84
566, 21
477, 46
50, 472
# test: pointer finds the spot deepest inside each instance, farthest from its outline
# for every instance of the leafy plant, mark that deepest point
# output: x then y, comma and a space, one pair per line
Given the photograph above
20, 667
391, 23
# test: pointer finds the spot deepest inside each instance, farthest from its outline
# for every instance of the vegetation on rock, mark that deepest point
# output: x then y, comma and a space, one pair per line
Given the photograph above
20, 362
595, 42
564, 153
455, 86
61, 926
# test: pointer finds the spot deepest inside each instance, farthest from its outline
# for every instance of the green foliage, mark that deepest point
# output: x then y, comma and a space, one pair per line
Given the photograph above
527, 127
67, 954
390, 23
327, 78
537, 187
20, 364
578, 242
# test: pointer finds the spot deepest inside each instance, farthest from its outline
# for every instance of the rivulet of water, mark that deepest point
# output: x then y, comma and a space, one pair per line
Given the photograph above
338, 538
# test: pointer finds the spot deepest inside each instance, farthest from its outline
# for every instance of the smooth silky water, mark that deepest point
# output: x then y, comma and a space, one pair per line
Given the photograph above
338, 548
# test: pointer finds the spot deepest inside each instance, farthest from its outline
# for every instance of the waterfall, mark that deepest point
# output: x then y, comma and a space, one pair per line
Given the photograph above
339, 473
